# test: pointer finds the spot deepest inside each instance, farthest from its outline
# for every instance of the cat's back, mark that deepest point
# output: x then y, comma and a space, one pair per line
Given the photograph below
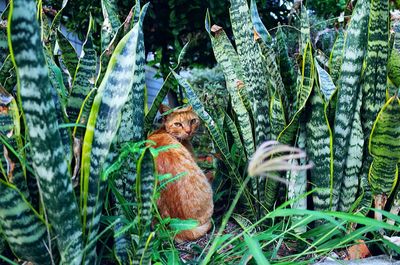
190, 196
162, 138
175, 159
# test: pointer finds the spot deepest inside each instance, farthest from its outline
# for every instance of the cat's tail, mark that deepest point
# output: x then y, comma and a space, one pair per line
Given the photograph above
193, 234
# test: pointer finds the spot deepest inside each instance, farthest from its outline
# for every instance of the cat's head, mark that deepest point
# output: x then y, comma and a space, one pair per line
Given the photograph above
181, 123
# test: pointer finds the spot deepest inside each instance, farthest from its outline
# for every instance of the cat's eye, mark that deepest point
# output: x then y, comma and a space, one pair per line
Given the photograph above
178, 124
193, 121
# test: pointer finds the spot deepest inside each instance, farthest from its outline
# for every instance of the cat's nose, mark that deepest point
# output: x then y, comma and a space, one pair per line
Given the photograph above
188, 131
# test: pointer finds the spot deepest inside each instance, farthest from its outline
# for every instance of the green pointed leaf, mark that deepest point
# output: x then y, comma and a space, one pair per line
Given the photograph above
384, 146
319, 149
10, 132
111, 23
113, 32
298, 182
272, 71
288, 134
68, 53
277, 116
255, 250
133, 17
145, 184
353, 164
253, 77
4, 52
375, 75
41, 123
394, 58
152, 113
375, 72
25, 232
394, 67
336, 57
215, 132
325, 81
103, 123
305, 29
235, 133
83, 80
8, 78
56, 80
348, 93
286, 70
132, 130
258, 25
57, 19
224, 51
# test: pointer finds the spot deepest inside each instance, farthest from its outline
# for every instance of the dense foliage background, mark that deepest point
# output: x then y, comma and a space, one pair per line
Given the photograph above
171, 24
300, 130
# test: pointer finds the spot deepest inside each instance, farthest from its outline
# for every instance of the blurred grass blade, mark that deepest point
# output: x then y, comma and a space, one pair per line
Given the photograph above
255, 250
41, 123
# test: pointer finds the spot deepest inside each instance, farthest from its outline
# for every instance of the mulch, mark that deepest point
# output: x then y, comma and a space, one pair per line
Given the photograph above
193, 249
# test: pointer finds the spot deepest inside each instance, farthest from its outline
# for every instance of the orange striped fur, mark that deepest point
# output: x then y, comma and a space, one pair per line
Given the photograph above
189, 197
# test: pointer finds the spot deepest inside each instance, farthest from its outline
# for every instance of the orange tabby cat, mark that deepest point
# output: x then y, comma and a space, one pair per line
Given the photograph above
189, 197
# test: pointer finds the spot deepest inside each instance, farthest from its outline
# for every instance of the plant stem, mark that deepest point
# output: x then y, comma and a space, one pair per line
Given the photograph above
224, 222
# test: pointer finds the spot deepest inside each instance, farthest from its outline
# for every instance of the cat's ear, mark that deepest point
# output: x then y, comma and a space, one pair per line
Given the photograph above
190, 108
164, 108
